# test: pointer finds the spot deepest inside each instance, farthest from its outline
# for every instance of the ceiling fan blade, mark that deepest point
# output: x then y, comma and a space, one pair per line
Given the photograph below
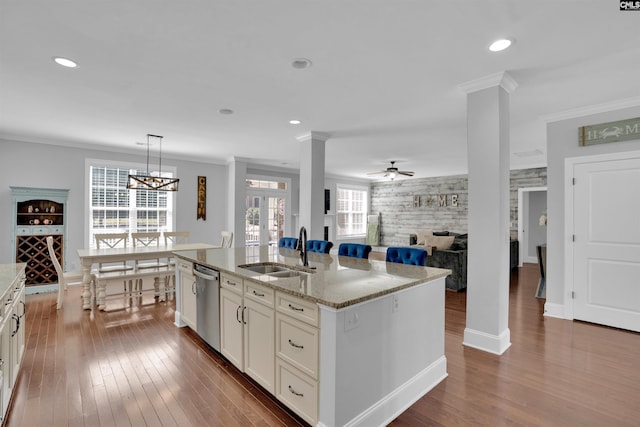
376, 173
407, 173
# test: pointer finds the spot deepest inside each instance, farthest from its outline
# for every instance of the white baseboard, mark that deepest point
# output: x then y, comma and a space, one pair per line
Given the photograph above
40, 289
496, 344
554, 310
389, 407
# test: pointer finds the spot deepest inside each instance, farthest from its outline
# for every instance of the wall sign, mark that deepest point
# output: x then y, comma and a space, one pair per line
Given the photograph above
622, 130
202, 198
437, 200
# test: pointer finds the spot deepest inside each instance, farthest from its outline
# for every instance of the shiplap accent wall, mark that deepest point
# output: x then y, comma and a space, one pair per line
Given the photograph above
395, 200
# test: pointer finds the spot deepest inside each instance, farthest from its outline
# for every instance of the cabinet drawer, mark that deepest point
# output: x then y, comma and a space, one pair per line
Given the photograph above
41, 230
185, 266
297, 390
56, 230
259, 293
231, 282
23, 231
297, 308
297, 343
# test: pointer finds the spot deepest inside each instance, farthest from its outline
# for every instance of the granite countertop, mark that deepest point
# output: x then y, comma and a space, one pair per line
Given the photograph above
336, 281
8, 273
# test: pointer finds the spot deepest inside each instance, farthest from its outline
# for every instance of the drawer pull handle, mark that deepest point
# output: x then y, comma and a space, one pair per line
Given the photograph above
295, 392
292, 344
230, 283
258, 294
295, 308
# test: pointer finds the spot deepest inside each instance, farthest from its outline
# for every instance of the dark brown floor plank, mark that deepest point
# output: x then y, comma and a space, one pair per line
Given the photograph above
132, 366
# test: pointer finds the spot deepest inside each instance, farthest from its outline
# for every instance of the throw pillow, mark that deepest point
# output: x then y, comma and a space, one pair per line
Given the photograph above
422, 236
442, 243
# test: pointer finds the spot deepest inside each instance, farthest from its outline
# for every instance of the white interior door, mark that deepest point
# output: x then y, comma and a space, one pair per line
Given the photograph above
607, 243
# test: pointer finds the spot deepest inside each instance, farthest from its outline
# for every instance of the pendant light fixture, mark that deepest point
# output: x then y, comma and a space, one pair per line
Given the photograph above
148, 182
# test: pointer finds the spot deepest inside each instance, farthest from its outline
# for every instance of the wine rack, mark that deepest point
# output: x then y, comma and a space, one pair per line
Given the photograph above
38, 213
33, 251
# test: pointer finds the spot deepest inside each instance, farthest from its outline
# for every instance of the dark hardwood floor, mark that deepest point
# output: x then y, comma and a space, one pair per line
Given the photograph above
132, 366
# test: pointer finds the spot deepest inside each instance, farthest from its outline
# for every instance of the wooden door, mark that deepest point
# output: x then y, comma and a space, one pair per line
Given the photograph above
607, 243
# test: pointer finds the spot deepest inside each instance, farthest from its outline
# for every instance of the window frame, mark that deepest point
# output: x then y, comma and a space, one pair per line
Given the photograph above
102, 163
365, 212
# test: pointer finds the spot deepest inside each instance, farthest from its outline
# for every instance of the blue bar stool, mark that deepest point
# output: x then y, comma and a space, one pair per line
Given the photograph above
355, 250
288, 242
320, 246
411, 256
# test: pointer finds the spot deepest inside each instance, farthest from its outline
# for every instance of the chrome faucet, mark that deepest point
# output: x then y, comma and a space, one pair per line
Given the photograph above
302, 246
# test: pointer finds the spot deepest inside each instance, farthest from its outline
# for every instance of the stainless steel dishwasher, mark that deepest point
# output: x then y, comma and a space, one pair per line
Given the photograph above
208, 304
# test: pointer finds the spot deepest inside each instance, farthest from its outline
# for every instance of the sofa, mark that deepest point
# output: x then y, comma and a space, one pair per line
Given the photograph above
449, 250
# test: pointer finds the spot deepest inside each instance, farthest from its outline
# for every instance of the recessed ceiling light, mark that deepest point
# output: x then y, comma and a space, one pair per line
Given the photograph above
301, 63
499, 45
226, 111
294, 122
65, 62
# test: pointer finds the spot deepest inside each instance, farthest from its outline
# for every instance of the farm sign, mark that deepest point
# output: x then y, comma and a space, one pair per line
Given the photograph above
623, 130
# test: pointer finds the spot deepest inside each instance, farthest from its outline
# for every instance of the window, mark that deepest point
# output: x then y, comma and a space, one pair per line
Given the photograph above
115, 209
352, 212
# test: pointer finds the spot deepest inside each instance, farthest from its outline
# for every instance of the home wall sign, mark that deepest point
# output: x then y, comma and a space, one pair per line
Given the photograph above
437, 200
202, 198
622, 130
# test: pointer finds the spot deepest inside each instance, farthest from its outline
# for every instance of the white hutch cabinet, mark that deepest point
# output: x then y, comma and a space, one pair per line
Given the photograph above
38, 213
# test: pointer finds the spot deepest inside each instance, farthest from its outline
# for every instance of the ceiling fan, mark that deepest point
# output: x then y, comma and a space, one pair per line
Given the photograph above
392, 172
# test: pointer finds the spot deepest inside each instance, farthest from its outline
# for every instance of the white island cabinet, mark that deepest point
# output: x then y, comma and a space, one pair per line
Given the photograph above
344, 342
12, 329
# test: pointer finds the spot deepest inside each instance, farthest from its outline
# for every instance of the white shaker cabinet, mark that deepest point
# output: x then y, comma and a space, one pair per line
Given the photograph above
188, 305
247, 328
12, 329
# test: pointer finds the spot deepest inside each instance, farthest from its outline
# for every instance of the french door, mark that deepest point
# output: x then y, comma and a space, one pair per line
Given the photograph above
264, 218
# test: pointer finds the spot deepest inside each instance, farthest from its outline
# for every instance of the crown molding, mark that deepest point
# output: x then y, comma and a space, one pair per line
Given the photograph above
313, 136
502, 79
592, 109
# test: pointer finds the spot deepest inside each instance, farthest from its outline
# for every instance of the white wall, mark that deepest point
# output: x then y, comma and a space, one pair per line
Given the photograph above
24, 164
562, 143
537, 233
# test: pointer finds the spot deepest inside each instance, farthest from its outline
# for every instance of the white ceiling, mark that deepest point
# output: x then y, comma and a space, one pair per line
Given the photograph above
384, 82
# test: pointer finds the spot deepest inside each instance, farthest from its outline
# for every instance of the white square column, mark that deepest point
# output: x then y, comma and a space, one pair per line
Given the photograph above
488, 257
312, 149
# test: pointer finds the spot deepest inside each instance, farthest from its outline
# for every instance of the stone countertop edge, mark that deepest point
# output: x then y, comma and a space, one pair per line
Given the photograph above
8, 273
376, 274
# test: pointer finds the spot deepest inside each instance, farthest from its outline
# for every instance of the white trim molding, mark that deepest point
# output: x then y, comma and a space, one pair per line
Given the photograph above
496, 344
502, 79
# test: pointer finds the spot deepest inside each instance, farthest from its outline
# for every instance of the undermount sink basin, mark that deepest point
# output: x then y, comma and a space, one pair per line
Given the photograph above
286, 273
264, 268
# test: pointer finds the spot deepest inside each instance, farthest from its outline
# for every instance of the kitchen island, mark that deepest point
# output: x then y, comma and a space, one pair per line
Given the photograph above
345, 342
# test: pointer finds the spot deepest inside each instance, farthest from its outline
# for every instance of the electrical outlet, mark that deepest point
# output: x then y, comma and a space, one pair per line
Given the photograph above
351, 320
395, 304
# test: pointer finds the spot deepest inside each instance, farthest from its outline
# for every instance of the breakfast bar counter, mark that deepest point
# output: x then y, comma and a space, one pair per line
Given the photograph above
344, 341
330, 280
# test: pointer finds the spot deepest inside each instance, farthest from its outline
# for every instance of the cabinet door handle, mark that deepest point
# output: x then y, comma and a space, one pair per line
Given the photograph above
17, 319
295, 392
194, 290
292, 344
238, 315
230, 283
243, 309
295, 308
258, 294
24, 309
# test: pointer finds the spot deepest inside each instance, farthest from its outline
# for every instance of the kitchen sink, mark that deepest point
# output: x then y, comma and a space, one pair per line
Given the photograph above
273, 270
264, 268
287, 273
